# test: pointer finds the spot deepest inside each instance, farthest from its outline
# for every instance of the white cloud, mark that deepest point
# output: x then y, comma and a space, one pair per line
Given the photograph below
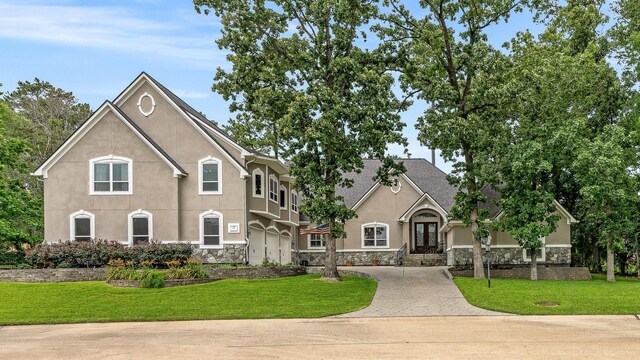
111, 28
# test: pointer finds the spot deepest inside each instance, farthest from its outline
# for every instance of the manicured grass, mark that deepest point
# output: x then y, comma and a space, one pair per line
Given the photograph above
519, 296
294, 297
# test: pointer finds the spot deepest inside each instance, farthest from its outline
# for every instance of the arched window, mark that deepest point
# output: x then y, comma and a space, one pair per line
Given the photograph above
375, 235
140, 227
283, 198
273, 188
210, 176
211, 226
82, 226
111, 175
258, 183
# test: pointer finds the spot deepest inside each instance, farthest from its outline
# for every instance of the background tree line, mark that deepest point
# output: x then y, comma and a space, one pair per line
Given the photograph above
35, 119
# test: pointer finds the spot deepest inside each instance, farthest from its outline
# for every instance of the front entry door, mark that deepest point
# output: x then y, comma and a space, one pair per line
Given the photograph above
426, 237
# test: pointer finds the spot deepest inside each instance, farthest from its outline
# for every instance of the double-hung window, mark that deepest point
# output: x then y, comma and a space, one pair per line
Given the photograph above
294, 201
316, 241
82, 226
111, 175
211, 229
375, 235
140, 227
273, 188
210, 176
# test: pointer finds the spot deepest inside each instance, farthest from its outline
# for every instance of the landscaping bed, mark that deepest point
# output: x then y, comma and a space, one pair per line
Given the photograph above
524, 272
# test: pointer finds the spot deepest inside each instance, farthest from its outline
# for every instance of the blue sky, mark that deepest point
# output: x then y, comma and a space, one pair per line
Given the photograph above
96, 48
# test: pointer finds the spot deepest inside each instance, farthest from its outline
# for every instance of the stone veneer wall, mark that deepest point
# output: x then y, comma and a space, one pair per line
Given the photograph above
357, 257
230, 254
52, 275
508, 256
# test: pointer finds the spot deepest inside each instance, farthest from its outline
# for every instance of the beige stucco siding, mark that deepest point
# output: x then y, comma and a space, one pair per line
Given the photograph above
154, 188
257, 203
383, 206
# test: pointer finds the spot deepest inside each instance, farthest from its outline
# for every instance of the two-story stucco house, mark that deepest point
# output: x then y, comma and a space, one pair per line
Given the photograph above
147, 166
411, 221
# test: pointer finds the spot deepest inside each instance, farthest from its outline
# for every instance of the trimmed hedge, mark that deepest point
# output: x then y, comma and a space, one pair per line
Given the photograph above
87, 254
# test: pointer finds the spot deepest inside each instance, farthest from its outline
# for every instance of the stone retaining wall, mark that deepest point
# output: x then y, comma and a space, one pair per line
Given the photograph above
167, 283
524, 272
357, 257
256, 273
229, 254
99, 274
508, 256
52, 275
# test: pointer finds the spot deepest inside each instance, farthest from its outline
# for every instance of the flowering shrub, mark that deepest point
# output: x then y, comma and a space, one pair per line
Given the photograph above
98, 253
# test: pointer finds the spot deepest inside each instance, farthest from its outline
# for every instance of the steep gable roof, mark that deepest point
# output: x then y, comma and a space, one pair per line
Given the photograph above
83, 129
189, 114
421, 173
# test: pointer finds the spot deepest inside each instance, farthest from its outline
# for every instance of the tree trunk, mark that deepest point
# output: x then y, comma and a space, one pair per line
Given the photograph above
597, 264
478, 268
534, 264
330, 263
610, 262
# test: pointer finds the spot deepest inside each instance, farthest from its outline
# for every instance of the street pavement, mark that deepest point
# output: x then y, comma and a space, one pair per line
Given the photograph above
457, 337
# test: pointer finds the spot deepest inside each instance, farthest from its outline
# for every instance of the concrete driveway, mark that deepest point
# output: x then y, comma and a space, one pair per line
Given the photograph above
459, 337
414, 291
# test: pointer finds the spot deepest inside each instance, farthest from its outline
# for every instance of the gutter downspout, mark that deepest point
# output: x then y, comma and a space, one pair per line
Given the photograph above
246, 210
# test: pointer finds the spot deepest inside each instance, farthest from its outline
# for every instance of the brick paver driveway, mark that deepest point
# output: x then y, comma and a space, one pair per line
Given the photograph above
414, 291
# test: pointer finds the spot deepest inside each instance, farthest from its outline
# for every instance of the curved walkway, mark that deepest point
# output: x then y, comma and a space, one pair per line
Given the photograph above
414, 291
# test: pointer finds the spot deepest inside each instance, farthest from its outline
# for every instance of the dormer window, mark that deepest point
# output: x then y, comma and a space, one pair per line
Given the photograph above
210, 176
273, 188
110, 175
258, 183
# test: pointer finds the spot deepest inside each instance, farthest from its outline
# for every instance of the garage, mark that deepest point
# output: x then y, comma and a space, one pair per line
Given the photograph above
285, 249
273, 246
256, 245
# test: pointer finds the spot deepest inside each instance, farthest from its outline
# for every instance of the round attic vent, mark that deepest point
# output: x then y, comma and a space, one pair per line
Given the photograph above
146, 104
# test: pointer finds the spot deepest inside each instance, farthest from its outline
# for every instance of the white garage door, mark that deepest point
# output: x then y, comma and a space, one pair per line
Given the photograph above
256, 246
285, 249
273, 252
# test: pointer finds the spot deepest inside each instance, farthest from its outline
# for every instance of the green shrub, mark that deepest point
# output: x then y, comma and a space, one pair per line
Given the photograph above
177, 273
153, 280
122, 273
98, 253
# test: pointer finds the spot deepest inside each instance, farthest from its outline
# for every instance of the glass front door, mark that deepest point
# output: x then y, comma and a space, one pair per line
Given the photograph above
426, 237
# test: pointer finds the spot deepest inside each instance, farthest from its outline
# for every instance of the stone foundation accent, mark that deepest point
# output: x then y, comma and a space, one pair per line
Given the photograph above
230, 254
508, 256
356, 257
52, 275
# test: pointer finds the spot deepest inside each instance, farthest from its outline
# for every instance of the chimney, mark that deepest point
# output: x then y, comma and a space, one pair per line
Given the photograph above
433, 157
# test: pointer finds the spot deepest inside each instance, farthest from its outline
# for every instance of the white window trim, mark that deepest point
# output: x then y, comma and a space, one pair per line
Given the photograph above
543, 257
219, 215
376, 224
315, 247
82, 214
140, 213
110, 159
255, 172
283, 190
277, 189
209, 160
297, 204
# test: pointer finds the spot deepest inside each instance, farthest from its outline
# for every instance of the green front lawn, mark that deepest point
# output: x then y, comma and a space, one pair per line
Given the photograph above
519, 296
294, 297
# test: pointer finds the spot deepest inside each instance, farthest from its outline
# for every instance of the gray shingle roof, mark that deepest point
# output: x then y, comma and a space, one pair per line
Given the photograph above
425, 175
